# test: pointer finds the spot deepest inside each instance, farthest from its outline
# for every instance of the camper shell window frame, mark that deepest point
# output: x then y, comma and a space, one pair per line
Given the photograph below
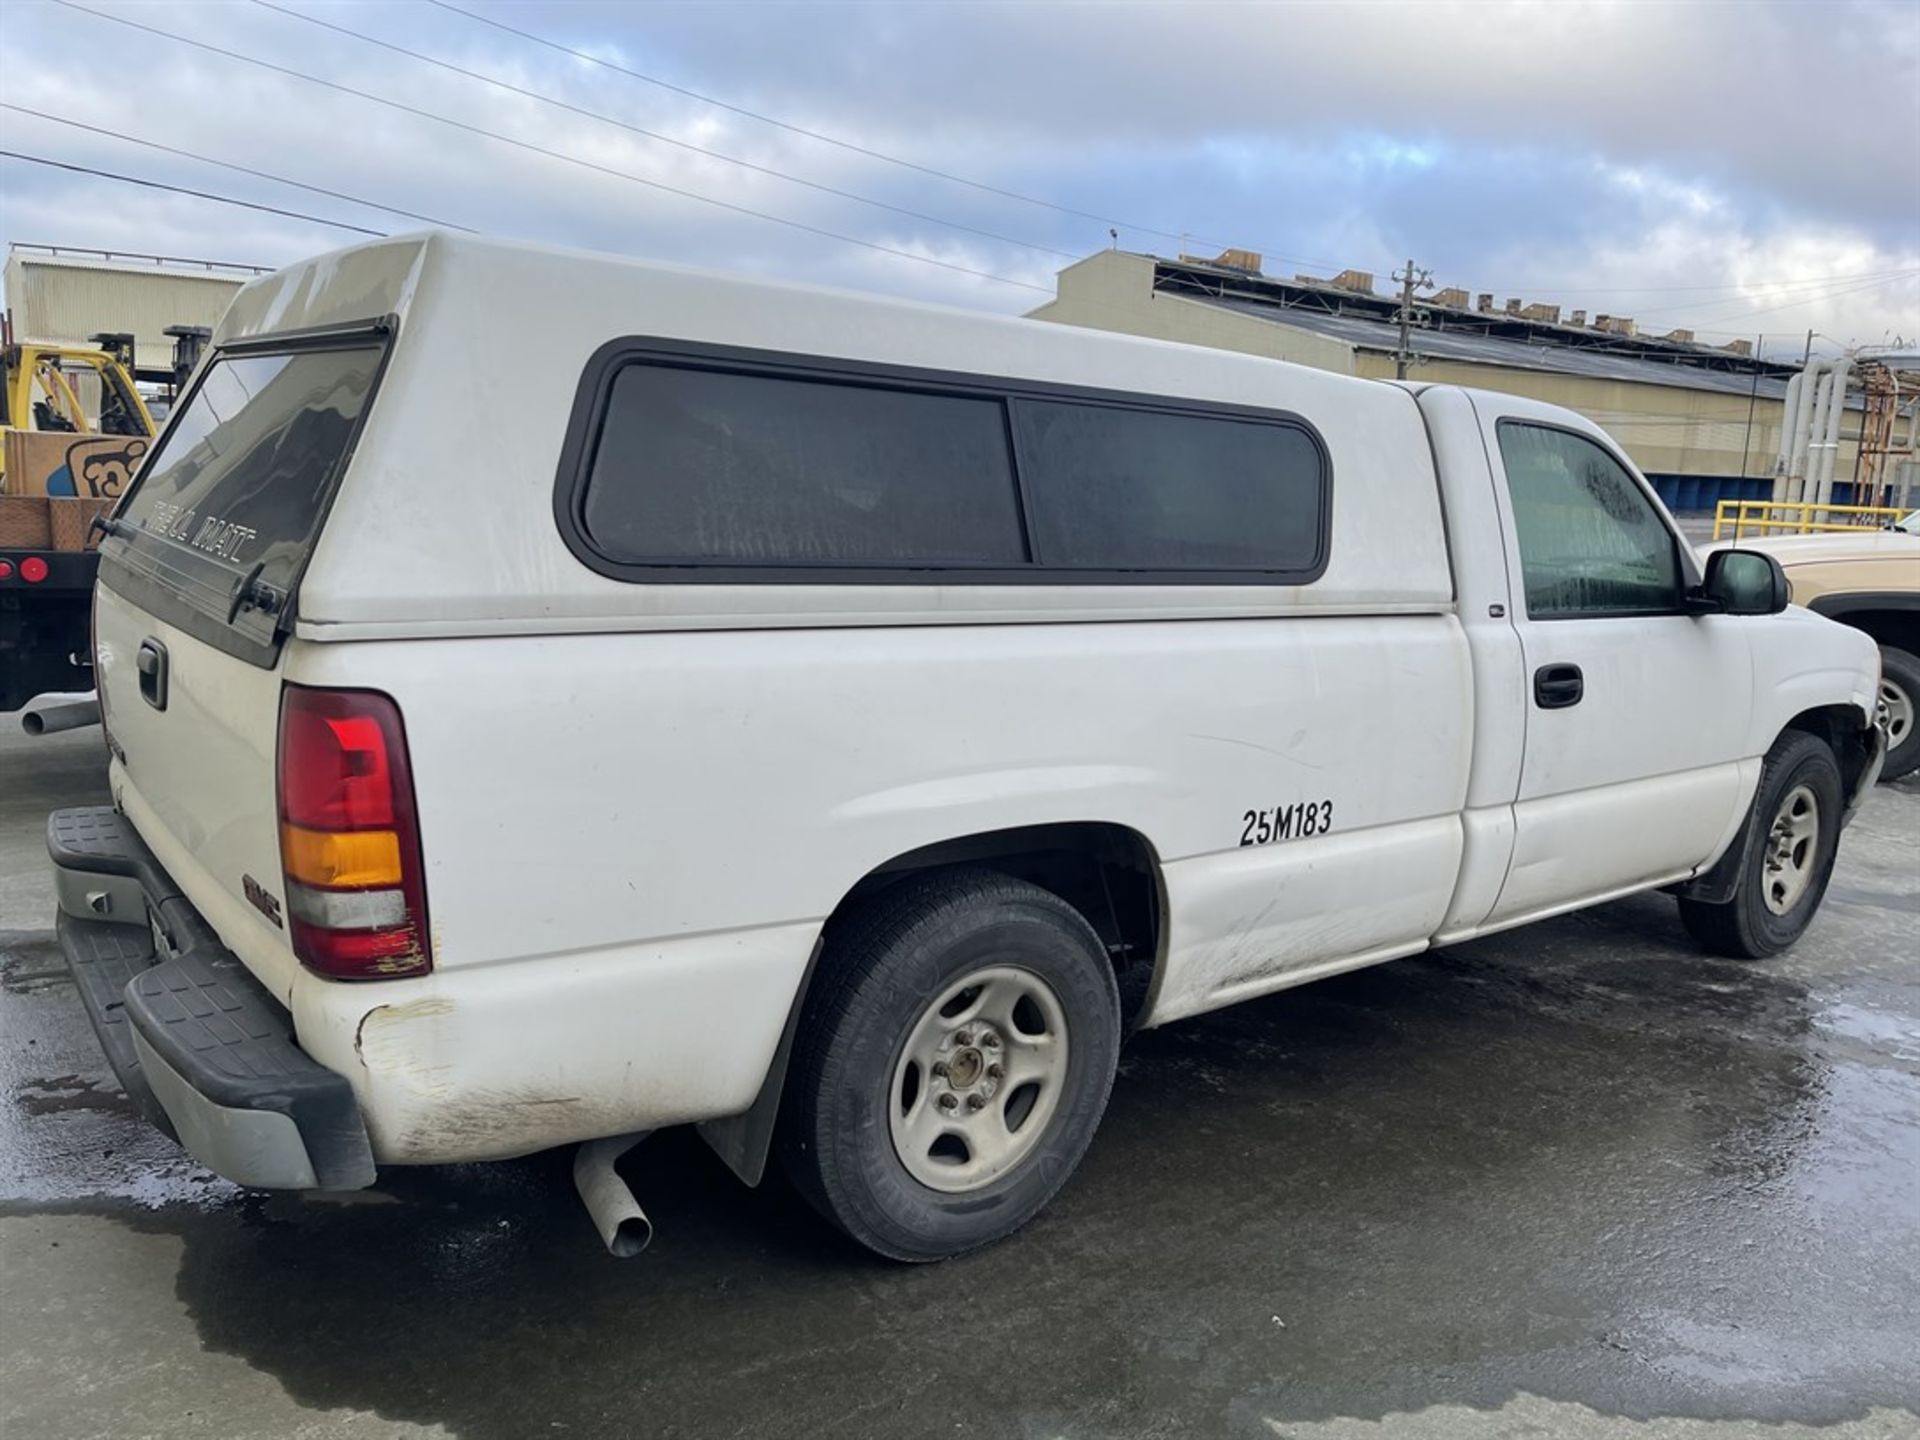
163, 601
594, 393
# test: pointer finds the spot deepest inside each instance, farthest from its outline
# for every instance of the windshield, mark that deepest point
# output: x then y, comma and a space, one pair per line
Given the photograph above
237, 487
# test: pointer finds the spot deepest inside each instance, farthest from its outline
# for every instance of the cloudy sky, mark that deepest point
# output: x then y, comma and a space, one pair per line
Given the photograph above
1735, 168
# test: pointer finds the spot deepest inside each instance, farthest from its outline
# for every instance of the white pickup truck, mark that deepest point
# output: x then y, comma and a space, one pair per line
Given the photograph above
836, 722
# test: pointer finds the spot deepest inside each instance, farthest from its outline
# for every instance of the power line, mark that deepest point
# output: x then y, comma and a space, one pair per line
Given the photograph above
230, 165
835, 141
1836, 293
183, 190
606, 119
1185, 237
1866, 279
532, 148
1803, 281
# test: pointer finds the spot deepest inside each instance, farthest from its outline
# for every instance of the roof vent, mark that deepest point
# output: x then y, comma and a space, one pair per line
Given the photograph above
1358, 281
1483, 302
1452, 298
1546, 314
1230, 259
1579, 319
1684, 337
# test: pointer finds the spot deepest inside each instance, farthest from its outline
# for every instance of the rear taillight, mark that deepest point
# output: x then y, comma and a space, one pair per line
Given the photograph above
6, 569
33, 569
349, 838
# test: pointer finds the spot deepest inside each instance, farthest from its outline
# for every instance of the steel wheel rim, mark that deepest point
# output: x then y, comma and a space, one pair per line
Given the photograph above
1899, 711
1793, 844
978, 1078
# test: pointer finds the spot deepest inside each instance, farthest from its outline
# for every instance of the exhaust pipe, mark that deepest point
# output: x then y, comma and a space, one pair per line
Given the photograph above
622, 1224
69, 715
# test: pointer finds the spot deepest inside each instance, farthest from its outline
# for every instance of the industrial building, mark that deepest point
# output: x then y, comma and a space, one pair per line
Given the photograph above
61, 293
1703, 422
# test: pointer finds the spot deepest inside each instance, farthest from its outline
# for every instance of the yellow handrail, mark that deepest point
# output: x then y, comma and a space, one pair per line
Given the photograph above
1758, 515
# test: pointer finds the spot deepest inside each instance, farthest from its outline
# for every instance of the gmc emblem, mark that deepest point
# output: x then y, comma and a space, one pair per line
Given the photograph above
257, 895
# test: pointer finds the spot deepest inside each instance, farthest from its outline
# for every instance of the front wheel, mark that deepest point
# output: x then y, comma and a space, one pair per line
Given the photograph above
1791, 838
952, 1064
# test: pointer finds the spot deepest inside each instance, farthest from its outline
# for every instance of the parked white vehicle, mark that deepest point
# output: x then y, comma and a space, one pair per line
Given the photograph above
837, 722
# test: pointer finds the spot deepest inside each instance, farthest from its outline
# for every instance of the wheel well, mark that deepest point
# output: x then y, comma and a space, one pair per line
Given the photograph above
1108, 872
1898, 628
1839, 726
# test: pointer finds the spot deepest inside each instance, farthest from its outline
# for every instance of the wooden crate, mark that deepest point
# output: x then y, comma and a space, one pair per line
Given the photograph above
25, 523
70, 520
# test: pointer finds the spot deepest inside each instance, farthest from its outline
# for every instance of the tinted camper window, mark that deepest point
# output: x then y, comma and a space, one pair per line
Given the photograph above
708, 465
686, 463
235, 491
1125, 489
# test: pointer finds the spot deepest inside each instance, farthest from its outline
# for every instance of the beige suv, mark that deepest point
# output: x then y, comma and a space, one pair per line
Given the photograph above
1869, 579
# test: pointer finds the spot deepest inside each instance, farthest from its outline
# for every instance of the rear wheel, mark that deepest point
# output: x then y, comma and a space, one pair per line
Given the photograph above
1900, 692
952, 1065
1791, 837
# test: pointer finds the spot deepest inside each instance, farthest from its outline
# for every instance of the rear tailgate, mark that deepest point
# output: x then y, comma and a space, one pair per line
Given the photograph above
196, 592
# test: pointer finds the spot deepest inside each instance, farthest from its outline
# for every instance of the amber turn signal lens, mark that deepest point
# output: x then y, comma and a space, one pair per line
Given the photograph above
341, 859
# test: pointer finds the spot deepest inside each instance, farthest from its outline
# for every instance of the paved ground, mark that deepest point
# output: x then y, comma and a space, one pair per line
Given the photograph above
1575, 1181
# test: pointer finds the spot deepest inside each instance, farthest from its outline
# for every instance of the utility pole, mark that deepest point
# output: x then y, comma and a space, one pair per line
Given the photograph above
1806, 357
1410, 279
1753, 396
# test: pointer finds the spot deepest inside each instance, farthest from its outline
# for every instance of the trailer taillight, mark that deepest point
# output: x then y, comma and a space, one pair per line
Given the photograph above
33, 569
349, 838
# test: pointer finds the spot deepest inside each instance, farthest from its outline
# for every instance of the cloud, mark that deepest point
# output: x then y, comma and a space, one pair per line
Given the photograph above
1598, 154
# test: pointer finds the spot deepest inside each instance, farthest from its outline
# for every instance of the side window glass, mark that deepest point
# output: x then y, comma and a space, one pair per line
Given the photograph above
1591, 542
710, 466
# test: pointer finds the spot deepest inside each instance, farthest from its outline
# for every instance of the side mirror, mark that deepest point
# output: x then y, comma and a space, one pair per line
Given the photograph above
1741, 582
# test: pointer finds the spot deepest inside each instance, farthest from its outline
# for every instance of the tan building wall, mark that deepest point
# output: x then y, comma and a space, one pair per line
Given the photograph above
1113, 290
1666, 429
56, 297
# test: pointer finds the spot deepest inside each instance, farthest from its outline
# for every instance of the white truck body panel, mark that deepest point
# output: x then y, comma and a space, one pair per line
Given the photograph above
640, 802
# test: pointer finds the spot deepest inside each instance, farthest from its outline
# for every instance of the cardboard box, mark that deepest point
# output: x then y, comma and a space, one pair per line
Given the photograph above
86, 467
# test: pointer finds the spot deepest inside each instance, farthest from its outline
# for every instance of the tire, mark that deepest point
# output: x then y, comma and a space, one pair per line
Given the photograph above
868, 1088
1784, 866
1900, 689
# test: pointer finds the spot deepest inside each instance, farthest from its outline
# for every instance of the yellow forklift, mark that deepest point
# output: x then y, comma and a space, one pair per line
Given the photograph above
46, 568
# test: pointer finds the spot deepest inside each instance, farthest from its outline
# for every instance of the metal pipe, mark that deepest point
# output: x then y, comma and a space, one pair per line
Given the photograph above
622, 1224
1801, 421
68, 715
1783, 461
1830, 435
1816, 427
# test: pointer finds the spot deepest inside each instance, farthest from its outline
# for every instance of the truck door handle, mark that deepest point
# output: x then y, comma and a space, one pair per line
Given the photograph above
151, 661
1557, 686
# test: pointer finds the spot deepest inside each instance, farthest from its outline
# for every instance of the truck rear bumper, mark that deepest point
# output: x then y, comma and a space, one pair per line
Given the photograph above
198, 1043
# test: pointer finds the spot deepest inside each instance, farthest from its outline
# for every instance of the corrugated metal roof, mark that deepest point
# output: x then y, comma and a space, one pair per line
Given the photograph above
1378, 335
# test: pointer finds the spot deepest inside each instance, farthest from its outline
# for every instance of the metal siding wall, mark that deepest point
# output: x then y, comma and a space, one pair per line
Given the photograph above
1666, 429
56, 301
